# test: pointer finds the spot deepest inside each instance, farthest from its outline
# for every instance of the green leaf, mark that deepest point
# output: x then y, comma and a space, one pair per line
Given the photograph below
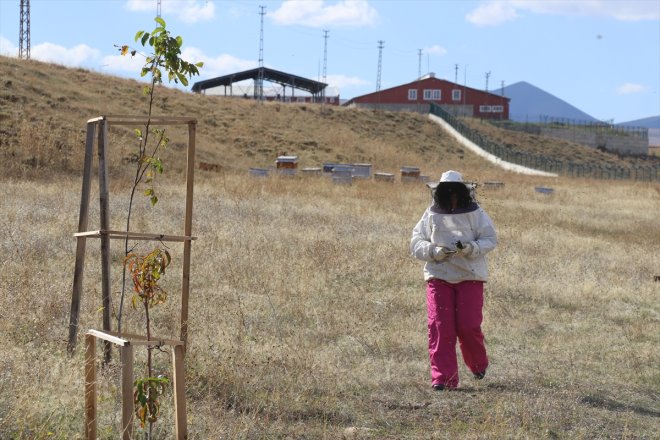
179, 41
145, 37
154, 200
200, 64
138, 132
138, 35
160, 21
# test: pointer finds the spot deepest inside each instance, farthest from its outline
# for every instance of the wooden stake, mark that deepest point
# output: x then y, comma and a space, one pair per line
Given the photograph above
81, 241
185, 285
105, 241
90, 387
127, 409
179, 385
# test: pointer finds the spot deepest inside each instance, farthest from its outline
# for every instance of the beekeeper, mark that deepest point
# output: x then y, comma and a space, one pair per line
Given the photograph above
452, 238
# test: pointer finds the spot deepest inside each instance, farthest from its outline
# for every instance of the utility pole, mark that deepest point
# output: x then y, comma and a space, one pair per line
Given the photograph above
260, 78
487, 76
419, 63
455, 73
325, 63
381, 44
158, 9
24, 31
502, 93
465, 90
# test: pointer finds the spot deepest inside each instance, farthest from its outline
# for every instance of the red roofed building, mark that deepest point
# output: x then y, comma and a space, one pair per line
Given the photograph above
418, 95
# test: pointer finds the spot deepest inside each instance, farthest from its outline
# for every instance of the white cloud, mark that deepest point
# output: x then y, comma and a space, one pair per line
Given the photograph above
190, 11
316, 13
217, 66
77, 56
492, 14
123, 63
7, 48
343, 81
73, 57
435, 50
630, 88
495, 12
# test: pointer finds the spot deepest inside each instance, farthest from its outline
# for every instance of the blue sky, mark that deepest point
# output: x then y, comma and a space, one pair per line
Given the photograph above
602, 56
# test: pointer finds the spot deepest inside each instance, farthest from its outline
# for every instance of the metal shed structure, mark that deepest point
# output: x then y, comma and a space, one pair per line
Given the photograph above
315, 88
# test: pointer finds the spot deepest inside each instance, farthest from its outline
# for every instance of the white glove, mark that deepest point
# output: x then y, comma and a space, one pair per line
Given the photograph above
464, 249
439, 253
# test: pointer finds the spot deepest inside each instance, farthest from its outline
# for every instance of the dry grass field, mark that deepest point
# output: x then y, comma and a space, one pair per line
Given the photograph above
308, 315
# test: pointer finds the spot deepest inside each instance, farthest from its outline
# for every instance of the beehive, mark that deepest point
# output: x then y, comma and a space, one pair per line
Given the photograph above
287, 165
342, 174
259, 172
410, 174
362, 170
312, 171
384, 177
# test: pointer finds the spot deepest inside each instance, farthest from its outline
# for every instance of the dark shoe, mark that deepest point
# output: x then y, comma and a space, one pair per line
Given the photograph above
480, 375
439, 387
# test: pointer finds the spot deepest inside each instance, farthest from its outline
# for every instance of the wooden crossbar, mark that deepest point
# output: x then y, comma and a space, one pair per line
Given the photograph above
133, 235
142, 120
124, 338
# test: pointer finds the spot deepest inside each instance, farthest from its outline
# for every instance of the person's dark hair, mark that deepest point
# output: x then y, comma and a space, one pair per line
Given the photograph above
442, 195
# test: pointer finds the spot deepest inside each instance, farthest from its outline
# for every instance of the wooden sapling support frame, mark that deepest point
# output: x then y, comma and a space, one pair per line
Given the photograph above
97, 130
126, 343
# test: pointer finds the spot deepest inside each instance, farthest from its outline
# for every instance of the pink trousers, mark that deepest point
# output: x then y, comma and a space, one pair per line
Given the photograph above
455, 312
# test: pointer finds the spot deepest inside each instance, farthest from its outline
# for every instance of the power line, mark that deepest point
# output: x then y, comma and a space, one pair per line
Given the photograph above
24, 31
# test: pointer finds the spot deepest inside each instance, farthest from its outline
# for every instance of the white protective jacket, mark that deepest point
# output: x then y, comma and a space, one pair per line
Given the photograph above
438, 227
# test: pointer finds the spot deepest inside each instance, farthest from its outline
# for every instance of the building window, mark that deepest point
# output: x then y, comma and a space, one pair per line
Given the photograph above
432, 95
301, 99
497, 109
412, 94
485, 109
332, 100
456, 95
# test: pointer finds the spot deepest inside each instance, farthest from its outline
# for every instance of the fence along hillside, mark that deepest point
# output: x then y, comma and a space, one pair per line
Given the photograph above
608, 137
646, 172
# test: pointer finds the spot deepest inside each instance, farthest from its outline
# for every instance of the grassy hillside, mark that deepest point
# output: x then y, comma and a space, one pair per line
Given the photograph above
307, 314
44, 107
